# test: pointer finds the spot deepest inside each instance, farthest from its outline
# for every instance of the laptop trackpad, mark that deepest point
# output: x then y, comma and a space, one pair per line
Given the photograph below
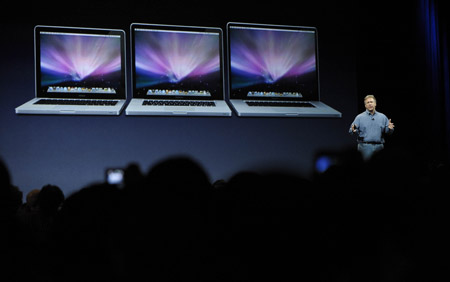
285, 111
179, 109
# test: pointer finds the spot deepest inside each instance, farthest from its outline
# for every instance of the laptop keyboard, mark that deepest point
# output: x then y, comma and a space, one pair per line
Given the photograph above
178, 103
76, 102
279, 104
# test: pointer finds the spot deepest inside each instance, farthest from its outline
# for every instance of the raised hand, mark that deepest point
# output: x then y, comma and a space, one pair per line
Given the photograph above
390, 125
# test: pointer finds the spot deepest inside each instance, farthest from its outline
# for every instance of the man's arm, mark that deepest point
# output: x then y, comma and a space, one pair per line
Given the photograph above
354, 127
389, 128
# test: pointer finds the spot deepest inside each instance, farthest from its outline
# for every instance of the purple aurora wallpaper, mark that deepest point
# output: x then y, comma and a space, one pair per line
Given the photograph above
184, 60
79, 59
261, 58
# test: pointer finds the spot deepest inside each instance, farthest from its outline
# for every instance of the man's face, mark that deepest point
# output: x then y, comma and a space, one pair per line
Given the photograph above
370, 104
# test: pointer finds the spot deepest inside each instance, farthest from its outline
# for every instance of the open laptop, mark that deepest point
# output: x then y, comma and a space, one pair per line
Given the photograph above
79, 71
177, 70
274, 71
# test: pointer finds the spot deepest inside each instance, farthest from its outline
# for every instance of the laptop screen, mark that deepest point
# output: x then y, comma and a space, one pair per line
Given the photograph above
80, 63
273, 62
173, 62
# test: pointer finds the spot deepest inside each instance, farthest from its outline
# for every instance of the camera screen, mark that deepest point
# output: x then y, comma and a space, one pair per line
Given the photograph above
114, 176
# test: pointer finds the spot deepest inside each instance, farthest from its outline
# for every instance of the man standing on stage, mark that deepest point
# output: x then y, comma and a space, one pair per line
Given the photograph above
370, 127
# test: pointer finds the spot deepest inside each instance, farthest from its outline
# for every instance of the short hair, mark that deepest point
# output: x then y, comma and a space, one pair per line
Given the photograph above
370, 96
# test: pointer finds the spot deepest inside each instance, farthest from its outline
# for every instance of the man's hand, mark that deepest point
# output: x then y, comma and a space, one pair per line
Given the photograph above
354, 127
390, 125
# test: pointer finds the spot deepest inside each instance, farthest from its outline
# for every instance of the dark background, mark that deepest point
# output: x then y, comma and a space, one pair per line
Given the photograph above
371, 48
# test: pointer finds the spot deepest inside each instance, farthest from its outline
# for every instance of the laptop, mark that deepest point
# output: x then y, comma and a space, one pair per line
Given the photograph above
177, 70
78, 71
273, 71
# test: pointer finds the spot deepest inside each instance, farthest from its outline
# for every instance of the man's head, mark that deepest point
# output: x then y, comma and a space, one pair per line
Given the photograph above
370, 103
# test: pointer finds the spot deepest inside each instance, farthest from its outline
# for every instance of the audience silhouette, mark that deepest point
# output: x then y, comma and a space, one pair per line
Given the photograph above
380, 220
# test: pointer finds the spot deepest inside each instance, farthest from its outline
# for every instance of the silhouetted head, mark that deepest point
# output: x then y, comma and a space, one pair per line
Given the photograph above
50, 199
179, 176
32, 198
10, 196
4, 175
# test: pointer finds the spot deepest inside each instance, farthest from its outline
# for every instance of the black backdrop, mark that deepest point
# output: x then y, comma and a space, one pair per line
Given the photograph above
363, 48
